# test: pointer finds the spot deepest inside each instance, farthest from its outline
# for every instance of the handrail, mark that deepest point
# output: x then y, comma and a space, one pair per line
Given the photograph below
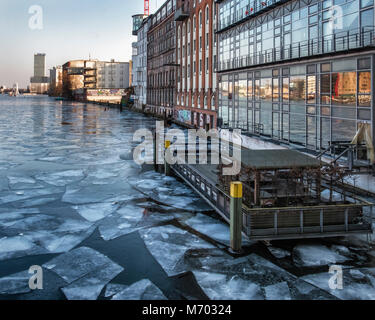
343, 41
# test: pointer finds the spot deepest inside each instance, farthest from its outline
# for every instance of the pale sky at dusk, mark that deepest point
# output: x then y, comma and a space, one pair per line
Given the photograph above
72, 29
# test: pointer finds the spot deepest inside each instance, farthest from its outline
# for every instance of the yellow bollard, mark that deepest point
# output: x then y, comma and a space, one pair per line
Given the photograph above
167, 168
236, 216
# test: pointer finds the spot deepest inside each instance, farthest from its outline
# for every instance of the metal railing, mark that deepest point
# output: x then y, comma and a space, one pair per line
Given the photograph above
349, 40
248, 11
285, 222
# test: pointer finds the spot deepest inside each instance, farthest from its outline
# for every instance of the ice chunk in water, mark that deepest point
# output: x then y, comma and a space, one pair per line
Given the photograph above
141, 290
353, 288
279, 253
89, 286
95, 212
218, 287
210, 227
77, 263
61, 178
170, 255
278, 291
18, 246
113, 288
315, 255
15, 283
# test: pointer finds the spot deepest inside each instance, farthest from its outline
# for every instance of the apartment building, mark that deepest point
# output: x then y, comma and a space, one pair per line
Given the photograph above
161, 60
298, 71
196, 59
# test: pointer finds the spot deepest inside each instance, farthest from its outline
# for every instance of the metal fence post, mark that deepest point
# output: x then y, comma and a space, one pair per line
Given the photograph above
236, 216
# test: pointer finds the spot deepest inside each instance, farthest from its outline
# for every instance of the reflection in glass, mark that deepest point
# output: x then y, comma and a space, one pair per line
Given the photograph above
297, 88
311, 89
344, 87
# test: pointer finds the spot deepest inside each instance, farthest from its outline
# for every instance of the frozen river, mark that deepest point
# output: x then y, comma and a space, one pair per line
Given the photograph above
101, 227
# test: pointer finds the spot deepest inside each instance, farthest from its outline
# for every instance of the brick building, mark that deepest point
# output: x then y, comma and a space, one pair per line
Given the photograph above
196, 59
161, 60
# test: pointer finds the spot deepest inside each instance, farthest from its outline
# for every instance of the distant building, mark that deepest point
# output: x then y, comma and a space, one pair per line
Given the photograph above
113, 75
95, 80
139, 70
55, 81
39, 83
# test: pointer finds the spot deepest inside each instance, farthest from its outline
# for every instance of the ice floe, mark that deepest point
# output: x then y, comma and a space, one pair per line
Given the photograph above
170, 255
86, 270
95, 212
278, 291
316, 255
141, 290
15, 283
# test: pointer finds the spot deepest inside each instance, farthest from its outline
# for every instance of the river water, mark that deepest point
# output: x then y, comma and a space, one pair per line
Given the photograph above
102, 227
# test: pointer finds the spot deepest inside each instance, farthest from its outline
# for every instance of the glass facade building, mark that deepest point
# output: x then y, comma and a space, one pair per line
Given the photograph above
298, 71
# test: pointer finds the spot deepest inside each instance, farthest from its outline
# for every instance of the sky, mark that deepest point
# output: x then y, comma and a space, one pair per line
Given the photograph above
72, 29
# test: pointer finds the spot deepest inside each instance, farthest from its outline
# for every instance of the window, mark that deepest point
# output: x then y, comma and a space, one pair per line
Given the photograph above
297, 88
207, 14
344, 87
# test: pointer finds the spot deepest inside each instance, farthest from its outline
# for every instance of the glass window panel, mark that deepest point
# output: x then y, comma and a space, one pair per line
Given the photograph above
275, 89
311, 89
327, 4
343, 130
325, 99
367, 18
343, 112
344, 88
265, 89
285, 89
285, 129
297, 88
325, 83
325, 127
364, 82
297, 128
325, 111
364, 63
313, 9
313, 19
366, 3
286, 107
266, 117
311, 110
364, 100
364, 114
325, 67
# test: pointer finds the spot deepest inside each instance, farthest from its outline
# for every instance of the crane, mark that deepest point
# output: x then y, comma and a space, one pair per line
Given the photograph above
147, 8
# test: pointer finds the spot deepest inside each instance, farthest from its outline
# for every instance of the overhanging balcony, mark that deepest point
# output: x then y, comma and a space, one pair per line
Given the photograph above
341, 42
181, 14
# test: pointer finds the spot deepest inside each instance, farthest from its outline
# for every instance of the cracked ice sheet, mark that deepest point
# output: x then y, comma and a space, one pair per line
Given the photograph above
141, 290
222, 287
97, 193
90, 286
250, 270
87, 271
113, 288
278, 291
358, 284
18, 246
316, 255
170, 255
15, 283
128, 219
62, 178
12, 196
95, 212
